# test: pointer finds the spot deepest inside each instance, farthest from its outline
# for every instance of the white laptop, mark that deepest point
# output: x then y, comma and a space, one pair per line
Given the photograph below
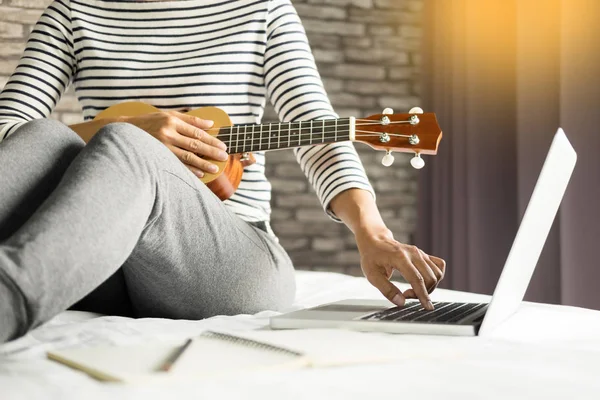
452, 318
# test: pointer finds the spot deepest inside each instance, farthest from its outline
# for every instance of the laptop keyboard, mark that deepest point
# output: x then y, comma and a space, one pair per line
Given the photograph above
414, 312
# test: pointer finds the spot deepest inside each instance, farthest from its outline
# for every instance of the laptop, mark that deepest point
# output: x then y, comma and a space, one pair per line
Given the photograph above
454, 318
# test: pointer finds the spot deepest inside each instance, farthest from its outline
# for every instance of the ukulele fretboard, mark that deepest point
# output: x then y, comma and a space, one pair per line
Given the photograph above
275, 136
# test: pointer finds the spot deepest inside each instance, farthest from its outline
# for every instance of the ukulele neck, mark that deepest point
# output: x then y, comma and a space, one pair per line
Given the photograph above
286, 135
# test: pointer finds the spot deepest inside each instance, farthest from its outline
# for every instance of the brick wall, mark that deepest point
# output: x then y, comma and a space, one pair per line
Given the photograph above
367, 53
17, 18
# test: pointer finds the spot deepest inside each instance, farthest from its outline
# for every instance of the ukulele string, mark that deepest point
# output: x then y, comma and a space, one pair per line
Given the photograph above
318, 121
241, 146
272, 137
371, 122
293, 131
246, 138
339, 135
369, 133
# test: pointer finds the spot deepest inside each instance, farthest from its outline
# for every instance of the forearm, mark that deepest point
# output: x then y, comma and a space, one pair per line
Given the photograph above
358, 210
87, 130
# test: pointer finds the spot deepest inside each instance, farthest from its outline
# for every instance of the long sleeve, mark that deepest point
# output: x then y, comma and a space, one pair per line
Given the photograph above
43, 73
296, 91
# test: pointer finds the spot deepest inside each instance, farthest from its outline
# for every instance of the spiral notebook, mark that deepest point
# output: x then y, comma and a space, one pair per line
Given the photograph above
214, 354
208, 355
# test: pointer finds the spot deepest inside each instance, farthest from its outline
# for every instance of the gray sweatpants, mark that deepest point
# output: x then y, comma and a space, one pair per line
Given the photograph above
121, 226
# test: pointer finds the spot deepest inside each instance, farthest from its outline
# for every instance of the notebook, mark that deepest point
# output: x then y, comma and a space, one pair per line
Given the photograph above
213, 354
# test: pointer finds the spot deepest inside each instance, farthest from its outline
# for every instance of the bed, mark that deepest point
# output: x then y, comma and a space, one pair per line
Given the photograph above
544, 351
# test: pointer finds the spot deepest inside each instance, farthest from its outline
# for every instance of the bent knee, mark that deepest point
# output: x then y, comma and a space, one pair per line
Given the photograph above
128, 139
124, 133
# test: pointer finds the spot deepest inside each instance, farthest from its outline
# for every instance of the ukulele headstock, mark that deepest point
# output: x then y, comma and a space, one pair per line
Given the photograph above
414, 132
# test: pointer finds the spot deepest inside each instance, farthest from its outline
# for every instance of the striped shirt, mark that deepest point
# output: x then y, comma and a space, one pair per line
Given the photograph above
232, 54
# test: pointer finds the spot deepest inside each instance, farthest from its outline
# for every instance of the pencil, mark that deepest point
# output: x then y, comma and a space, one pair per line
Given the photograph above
175, 356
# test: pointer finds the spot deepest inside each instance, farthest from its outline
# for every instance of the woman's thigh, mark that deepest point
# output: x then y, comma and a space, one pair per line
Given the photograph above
195, 258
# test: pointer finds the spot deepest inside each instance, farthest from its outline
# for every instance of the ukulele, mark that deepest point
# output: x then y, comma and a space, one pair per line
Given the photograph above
415, 132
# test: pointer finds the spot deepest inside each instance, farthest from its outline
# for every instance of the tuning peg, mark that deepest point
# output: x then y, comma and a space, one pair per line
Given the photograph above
417, 162
388, 111
388, 159
416, 110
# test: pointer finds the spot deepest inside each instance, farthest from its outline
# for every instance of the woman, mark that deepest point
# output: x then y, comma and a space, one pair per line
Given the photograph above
122, 224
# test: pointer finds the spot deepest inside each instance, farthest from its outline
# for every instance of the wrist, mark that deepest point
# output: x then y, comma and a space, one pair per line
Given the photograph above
378, 229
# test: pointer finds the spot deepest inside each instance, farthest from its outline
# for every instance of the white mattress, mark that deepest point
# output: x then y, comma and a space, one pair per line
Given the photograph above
544, 351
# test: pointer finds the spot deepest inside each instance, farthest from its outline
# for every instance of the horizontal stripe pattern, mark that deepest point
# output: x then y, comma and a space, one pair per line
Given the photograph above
231, 54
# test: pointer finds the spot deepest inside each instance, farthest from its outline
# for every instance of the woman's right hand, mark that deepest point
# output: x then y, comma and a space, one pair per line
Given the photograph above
186, 137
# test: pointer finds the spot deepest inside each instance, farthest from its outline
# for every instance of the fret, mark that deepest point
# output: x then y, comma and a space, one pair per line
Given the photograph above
251, 139
230, 137
289, 134
323, 132
279, 137
311, 131
260, 138
253, 144
335, 131
237, 140
248, 139
299, 133
241, 143
269, 136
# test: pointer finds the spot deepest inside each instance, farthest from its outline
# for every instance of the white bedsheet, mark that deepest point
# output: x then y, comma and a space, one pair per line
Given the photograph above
544, 351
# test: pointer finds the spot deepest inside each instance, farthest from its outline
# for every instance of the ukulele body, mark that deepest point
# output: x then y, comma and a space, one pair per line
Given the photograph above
223, 183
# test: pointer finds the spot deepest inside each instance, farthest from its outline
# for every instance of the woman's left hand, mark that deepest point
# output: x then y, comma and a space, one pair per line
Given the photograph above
381, 254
